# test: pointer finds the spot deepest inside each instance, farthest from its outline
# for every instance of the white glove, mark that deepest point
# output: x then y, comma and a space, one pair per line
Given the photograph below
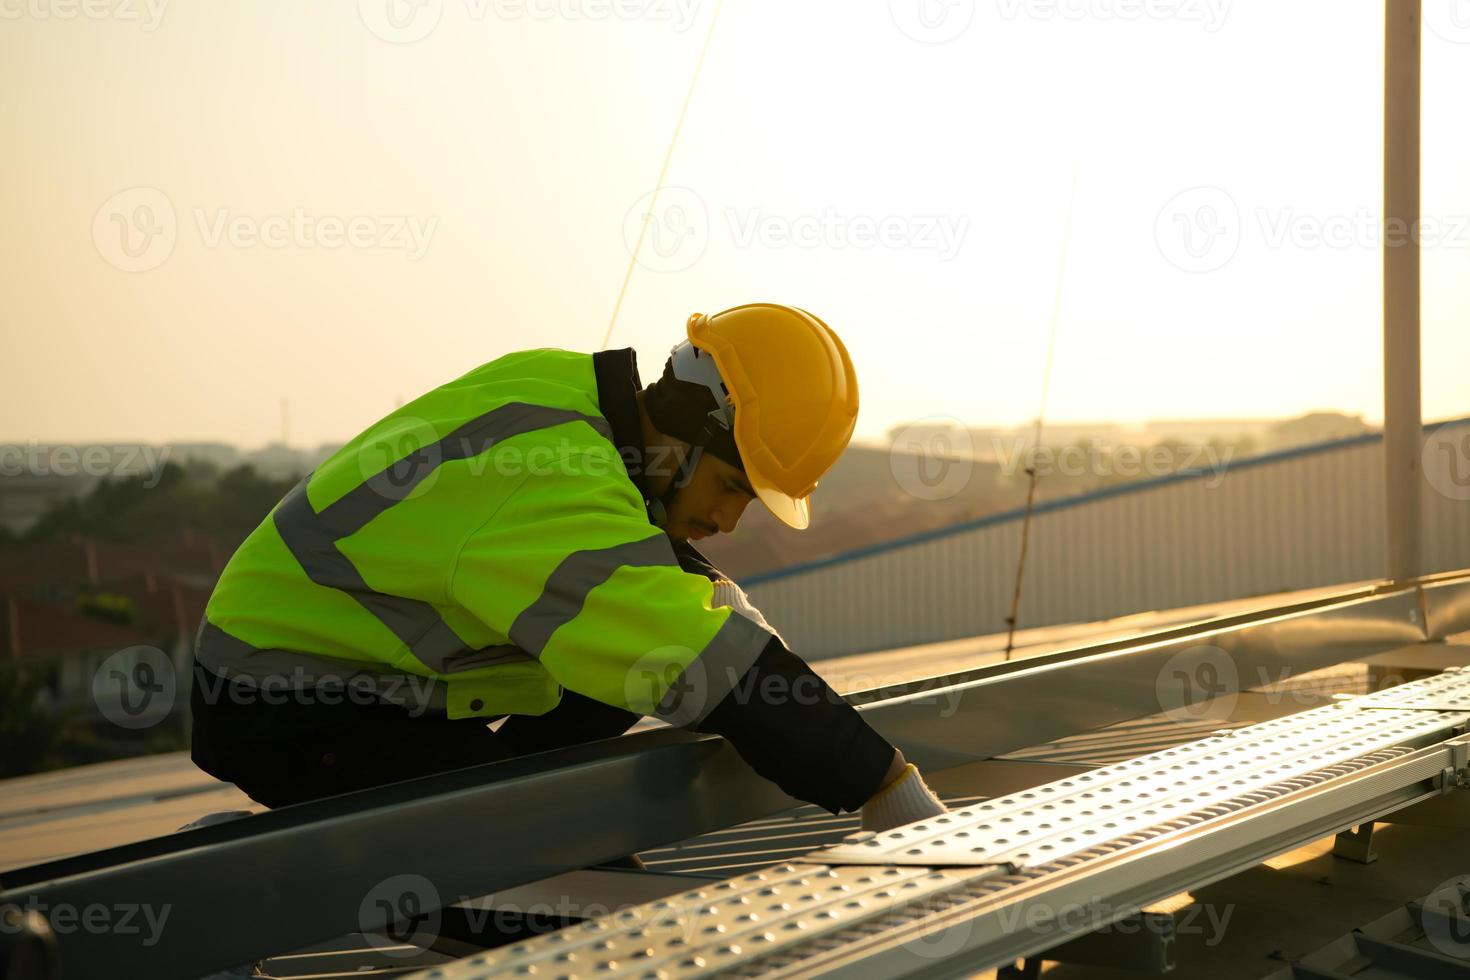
727, 593
905, 800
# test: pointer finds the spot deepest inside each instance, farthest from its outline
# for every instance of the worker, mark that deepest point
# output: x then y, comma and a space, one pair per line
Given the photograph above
514, 546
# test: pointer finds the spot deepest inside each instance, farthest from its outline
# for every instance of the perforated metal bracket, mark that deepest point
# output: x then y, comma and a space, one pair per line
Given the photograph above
1449, 690
1211, 778
721, 929
1129, 833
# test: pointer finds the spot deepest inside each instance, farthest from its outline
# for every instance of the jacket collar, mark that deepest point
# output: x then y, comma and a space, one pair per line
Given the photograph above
617, 386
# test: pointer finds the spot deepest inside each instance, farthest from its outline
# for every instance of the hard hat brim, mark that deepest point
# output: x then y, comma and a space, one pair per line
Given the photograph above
794, 512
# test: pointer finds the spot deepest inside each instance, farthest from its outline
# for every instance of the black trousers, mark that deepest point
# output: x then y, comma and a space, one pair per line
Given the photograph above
295, 747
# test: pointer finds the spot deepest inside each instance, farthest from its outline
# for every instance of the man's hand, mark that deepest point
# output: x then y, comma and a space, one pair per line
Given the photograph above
904, 798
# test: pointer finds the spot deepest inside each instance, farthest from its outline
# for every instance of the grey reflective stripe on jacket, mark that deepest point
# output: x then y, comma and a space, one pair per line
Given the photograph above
567, 587
312, 537
706, 681
278, 671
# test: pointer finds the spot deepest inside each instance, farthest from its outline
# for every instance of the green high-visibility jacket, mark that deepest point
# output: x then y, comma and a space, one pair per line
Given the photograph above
487, 545
485, 535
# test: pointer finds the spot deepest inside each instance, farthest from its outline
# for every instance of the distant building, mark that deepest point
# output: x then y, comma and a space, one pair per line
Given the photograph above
1314, 427
220, 454
27, 496
1204, 431
280, 461
69, 645
68, 604
73, 561
277, 460
1306, 517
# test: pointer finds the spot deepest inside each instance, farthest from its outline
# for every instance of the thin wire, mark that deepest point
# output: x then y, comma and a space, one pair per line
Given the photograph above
1051, 343
662, 173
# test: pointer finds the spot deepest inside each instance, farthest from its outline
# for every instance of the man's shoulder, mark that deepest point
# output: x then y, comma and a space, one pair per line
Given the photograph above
544, 376
536, 361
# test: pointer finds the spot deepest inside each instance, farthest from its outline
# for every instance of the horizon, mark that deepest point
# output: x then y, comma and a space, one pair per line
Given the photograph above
1128, 425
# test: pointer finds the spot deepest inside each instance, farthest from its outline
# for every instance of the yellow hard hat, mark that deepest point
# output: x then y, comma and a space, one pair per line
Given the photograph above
794, 394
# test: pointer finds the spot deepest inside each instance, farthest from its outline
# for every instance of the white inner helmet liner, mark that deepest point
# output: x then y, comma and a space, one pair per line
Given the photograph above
695, 366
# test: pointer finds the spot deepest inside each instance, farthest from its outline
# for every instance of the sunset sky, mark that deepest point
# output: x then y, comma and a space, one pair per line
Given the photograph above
213, 207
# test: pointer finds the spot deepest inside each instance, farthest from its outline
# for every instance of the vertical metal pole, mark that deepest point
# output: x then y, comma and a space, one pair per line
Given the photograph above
1402, 425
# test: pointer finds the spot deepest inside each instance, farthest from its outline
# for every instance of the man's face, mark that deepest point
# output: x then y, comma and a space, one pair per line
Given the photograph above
711, 501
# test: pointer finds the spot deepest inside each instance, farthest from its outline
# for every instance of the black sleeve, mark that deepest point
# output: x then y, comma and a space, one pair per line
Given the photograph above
793, 729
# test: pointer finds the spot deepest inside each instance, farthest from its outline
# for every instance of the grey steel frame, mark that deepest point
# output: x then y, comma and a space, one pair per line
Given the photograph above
299, 875
1133, 881
1008, 877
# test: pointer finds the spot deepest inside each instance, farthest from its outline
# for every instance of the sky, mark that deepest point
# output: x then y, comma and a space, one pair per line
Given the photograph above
212, 208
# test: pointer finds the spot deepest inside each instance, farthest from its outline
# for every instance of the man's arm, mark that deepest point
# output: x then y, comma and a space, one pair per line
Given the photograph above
572, 572
781, 670
793, 729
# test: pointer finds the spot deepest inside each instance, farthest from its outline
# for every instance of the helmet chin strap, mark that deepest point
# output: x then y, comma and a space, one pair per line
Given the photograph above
660, 506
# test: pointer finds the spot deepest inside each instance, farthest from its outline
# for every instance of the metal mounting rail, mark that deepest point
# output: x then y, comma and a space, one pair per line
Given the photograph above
1011, 877
487, 828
